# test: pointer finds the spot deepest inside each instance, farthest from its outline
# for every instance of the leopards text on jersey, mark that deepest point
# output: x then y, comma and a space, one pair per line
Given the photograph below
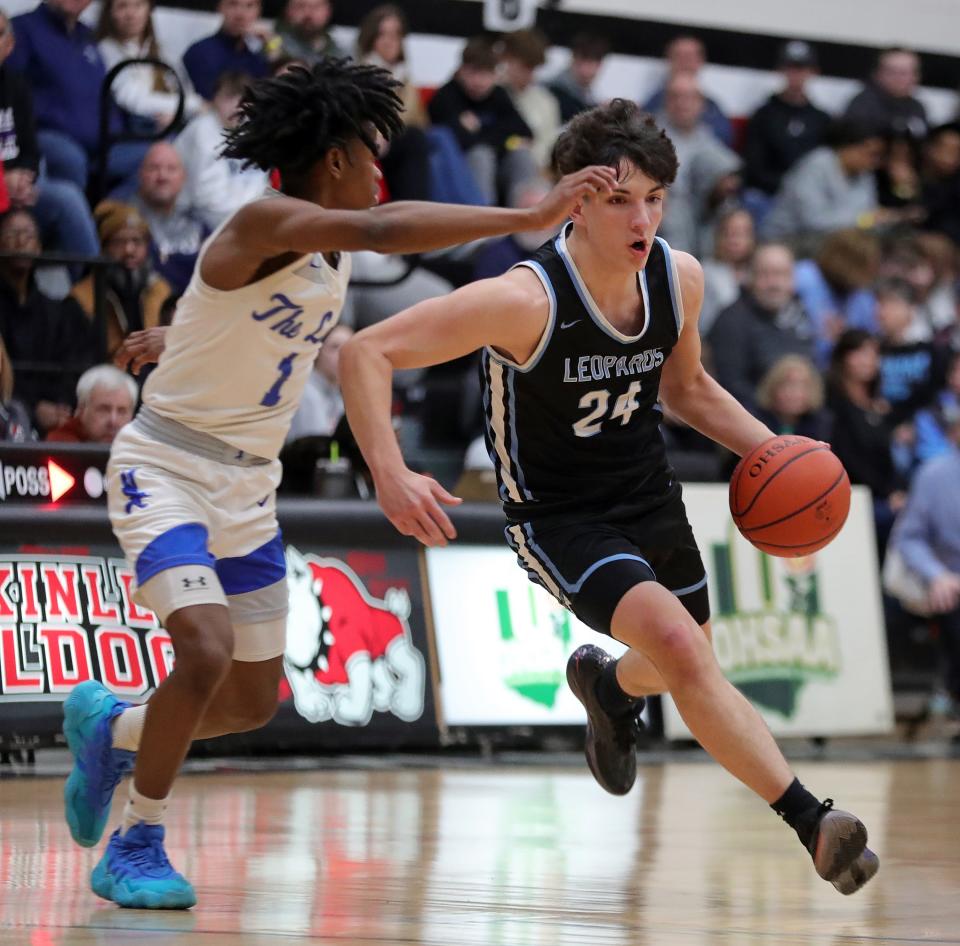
236, 362
575, 429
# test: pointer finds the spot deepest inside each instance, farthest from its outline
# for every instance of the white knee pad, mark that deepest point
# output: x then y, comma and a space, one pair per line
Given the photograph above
253, 643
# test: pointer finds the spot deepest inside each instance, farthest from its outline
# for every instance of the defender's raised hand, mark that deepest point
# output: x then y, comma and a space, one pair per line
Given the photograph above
570, 190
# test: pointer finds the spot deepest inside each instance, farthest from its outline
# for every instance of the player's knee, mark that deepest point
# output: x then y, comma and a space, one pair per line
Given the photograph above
203, 649
679, 646
257, 710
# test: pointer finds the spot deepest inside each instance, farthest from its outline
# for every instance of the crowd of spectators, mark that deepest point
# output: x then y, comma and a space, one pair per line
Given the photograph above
829, 240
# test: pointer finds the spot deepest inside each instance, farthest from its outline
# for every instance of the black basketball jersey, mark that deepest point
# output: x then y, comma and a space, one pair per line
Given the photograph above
575, 430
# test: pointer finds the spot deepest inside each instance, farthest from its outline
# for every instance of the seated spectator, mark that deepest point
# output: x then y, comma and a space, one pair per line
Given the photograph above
106, 399
862, 436
911, 372
726, 271
60, 206
834, 287
302, 33
709, 171
898, 177
888, 103
237, 47
788, 125
125, 31
940, 180
931, 423
764, 324
217, 186
489, 130
405, 161
176, 232
136, 295
58, 56
15, 426
927, 261
523, 52
790, 399
927, 537
321, 408
686, 55
48, 341
832, 187
573, 87
495, 257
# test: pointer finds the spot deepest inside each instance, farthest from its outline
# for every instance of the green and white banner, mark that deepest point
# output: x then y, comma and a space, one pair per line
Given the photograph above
502, 642
803, 638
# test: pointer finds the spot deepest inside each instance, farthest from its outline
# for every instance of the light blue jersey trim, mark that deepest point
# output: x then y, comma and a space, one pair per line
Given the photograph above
537, 353
591, 306
679, 592
572, 588
514, 443
672, 277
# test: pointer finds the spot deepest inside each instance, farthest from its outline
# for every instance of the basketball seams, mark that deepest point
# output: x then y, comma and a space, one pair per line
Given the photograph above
815, 449
751, 529
813, 546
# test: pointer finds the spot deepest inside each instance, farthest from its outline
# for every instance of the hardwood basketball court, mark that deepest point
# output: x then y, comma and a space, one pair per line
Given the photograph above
493, 855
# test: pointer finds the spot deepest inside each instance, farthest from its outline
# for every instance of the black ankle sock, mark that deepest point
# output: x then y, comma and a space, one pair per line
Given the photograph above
611, 695
799, 809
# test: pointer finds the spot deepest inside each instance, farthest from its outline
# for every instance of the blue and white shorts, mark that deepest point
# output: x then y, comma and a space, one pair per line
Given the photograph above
196, 519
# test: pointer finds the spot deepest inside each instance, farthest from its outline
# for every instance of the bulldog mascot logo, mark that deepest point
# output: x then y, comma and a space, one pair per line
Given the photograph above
347, 653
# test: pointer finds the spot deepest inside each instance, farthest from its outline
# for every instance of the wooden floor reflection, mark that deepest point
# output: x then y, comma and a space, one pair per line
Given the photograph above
499, 857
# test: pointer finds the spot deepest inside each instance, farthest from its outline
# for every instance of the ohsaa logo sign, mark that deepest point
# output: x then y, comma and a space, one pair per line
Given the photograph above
348, 654
64, 620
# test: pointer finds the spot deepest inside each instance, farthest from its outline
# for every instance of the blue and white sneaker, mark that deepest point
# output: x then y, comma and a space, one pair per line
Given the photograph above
97, 766
135, 872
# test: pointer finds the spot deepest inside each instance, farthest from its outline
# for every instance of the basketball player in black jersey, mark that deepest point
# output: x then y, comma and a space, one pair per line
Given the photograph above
580, 345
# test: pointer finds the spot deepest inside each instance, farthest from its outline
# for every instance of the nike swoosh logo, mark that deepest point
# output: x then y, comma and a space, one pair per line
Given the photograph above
263, 502
569, 324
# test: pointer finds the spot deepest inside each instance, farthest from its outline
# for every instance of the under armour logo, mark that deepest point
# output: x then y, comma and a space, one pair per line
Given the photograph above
135, 495
199, 582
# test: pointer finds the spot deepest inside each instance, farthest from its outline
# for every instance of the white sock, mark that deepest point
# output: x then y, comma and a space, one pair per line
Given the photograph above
128, 727
140, 808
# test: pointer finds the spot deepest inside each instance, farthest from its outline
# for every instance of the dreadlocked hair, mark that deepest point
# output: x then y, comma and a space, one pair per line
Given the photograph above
291, 121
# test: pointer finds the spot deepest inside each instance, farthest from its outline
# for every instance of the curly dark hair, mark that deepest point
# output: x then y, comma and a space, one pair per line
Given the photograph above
611, 133
291, 121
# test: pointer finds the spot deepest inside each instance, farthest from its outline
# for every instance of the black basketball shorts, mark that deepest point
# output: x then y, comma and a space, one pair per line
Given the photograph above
589, 565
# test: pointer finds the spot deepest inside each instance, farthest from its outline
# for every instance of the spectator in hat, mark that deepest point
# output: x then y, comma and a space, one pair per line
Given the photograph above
135, 294
888, 102
788, 125
106, 398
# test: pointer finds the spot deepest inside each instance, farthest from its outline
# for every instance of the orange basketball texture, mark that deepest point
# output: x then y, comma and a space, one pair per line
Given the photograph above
790, 496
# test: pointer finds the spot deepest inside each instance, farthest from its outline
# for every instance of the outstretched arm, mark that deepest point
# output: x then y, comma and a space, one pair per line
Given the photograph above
509, 313
283, 225
689, 392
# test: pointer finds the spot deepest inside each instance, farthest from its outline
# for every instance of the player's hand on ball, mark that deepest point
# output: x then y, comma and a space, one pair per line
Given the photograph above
570, 191
141, 348
414, 504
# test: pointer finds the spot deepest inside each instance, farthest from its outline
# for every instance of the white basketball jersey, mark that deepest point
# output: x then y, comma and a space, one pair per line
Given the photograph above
236, 363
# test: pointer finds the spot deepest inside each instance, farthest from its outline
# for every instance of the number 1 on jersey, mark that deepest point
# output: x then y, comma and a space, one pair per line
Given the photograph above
285, 367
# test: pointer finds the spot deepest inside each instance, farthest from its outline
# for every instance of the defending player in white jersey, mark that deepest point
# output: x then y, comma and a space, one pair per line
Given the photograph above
191, 481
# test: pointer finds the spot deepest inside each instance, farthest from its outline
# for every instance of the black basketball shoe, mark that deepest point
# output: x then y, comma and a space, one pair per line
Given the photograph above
611, 747
839, 849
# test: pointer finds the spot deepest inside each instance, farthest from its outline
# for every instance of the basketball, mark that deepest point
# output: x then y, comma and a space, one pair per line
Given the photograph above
790, 496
